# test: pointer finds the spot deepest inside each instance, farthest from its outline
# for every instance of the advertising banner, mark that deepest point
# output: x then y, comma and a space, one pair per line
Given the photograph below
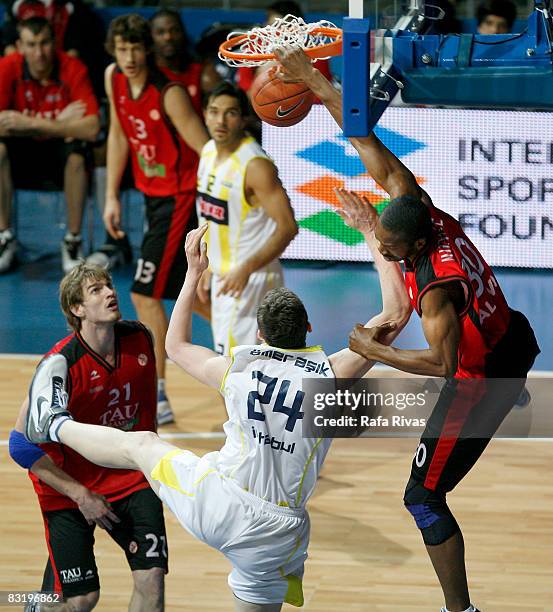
492, 170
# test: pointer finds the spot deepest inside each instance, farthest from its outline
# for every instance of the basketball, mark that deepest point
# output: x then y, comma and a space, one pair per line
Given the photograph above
278, 103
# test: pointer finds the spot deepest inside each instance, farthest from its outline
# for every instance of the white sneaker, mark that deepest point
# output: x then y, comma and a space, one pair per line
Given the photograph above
108, 257
71, 251
164, 412
8, 248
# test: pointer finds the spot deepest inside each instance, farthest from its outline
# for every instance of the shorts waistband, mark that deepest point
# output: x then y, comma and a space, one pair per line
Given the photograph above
266, 506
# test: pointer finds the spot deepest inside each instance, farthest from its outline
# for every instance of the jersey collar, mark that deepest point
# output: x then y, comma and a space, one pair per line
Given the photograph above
97, 357
54, 75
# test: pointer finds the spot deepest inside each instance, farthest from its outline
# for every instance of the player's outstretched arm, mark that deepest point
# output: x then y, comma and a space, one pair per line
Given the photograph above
385, 168
200, 362
358, 213
263, 188
186, 120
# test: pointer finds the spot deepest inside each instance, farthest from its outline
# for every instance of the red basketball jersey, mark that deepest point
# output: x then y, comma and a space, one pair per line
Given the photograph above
485, 316
163, 164
122, 396
68, 82
191, 78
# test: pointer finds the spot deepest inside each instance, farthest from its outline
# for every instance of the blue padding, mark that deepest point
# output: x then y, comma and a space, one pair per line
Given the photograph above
424, 517
23, 452
356, 76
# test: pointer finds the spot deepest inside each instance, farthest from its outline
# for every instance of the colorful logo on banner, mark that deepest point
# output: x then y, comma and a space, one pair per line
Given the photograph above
333, 158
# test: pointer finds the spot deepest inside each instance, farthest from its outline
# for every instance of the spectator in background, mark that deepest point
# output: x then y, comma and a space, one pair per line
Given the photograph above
246, 75
496, 16
47, 112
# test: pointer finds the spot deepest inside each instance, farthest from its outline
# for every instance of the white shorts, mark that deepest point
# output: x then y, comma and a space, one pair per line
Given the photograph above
265, 543
234, 321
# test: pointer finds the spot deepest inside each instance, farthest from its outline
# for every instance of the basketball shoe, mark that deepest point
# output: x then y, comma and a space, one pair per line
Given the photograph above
8, 247
71, 251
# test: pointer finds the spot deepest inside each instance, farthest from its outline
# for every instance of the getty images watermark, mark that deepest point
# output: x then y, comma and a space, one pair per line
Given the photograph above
407, 407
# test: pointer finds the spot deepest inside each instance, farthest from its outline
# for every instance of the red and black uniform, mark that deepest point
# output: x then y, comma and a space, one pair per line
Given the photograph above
122, 396
191, 78
485, 315
497, 347
19, 91
164, 169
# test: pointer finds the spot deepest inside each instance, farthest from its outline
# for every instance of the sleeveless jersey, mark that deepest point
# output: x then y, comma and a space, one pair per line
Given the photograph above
264, 450
191, 78
236, 228
122, 396
163, 164
485, 317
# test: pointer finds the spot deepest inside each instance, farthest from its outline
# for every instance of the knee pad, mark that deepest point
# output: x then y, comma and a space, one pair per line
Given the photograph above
431, 513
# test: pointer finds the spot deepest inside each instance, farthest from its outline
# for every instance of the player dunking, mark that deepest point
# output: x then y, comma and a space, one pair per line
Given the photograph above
153, 119
471, 332
249, 498
103, 373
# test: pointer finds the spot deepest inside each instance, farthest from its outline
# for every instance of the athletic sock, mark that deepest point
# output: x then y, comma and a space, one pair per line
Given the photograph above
161, 386
471, 608
55, 425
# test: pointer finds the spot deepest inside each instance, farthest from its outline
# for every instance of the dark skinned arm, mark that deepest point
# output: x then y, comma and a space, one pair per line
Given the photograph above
385, 168
440, 324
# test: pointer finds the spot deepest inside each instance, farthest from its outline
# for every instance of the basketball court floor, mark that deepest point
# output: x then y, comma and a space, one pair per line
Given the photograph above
365, 553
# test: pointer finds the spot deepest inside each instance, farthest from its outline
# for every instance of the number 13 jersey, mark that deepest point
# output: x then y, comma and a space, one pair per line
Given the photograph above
264, 450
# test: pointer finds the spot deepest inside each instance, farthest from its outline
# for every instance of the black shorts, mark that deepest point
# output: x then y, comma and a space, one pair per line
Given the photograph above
162, 265
469, 412
71, 566
40, 164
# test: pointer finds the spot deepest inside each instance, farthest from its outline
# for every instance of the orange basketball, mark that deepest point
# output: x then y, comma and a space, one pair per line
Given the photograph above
278, 103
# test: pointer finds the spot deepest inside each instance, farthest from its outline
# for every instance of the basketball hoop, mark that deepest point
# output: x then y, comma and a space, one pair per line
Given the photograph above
319, 40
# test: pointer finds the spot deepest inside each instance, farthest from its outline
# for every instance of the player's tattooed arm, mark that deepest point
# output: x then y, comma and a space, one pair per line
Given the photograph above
200, 362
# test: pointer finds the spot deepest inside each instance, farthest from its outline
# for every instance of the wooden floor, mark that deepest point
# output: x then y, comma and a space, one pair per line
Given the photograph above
365, 552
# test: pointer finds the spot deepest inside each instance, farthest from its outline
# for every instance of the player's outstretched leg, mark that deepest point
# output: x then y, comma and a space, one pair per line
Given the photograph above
105, 446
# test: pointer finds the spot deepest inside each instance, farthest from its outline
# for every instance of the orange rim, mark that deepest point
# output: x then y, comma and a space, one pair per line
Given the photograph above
326, 50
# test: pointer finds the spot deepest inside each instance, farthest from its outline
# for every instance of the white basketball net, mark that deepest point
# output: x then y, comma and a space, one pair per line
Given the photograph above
287, 30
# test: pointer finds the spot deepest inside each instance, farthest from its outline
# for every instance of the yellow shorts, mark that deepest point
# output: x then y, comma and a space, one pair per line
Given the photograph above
265, 543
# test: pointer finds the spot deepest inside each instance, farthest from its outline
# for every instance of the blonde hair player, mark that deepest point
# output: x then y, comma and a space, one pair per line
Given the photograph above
249, 217
249, 497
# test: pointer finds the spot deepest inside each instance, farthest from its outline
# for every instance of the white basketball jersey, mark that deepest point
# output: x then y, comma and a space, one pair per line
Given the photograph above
264, 450
236, 228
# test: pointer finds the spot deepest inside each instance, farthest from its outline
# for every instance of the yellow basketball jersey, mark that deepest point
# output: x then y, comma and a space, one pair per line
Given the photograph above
236, 228
265, 450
